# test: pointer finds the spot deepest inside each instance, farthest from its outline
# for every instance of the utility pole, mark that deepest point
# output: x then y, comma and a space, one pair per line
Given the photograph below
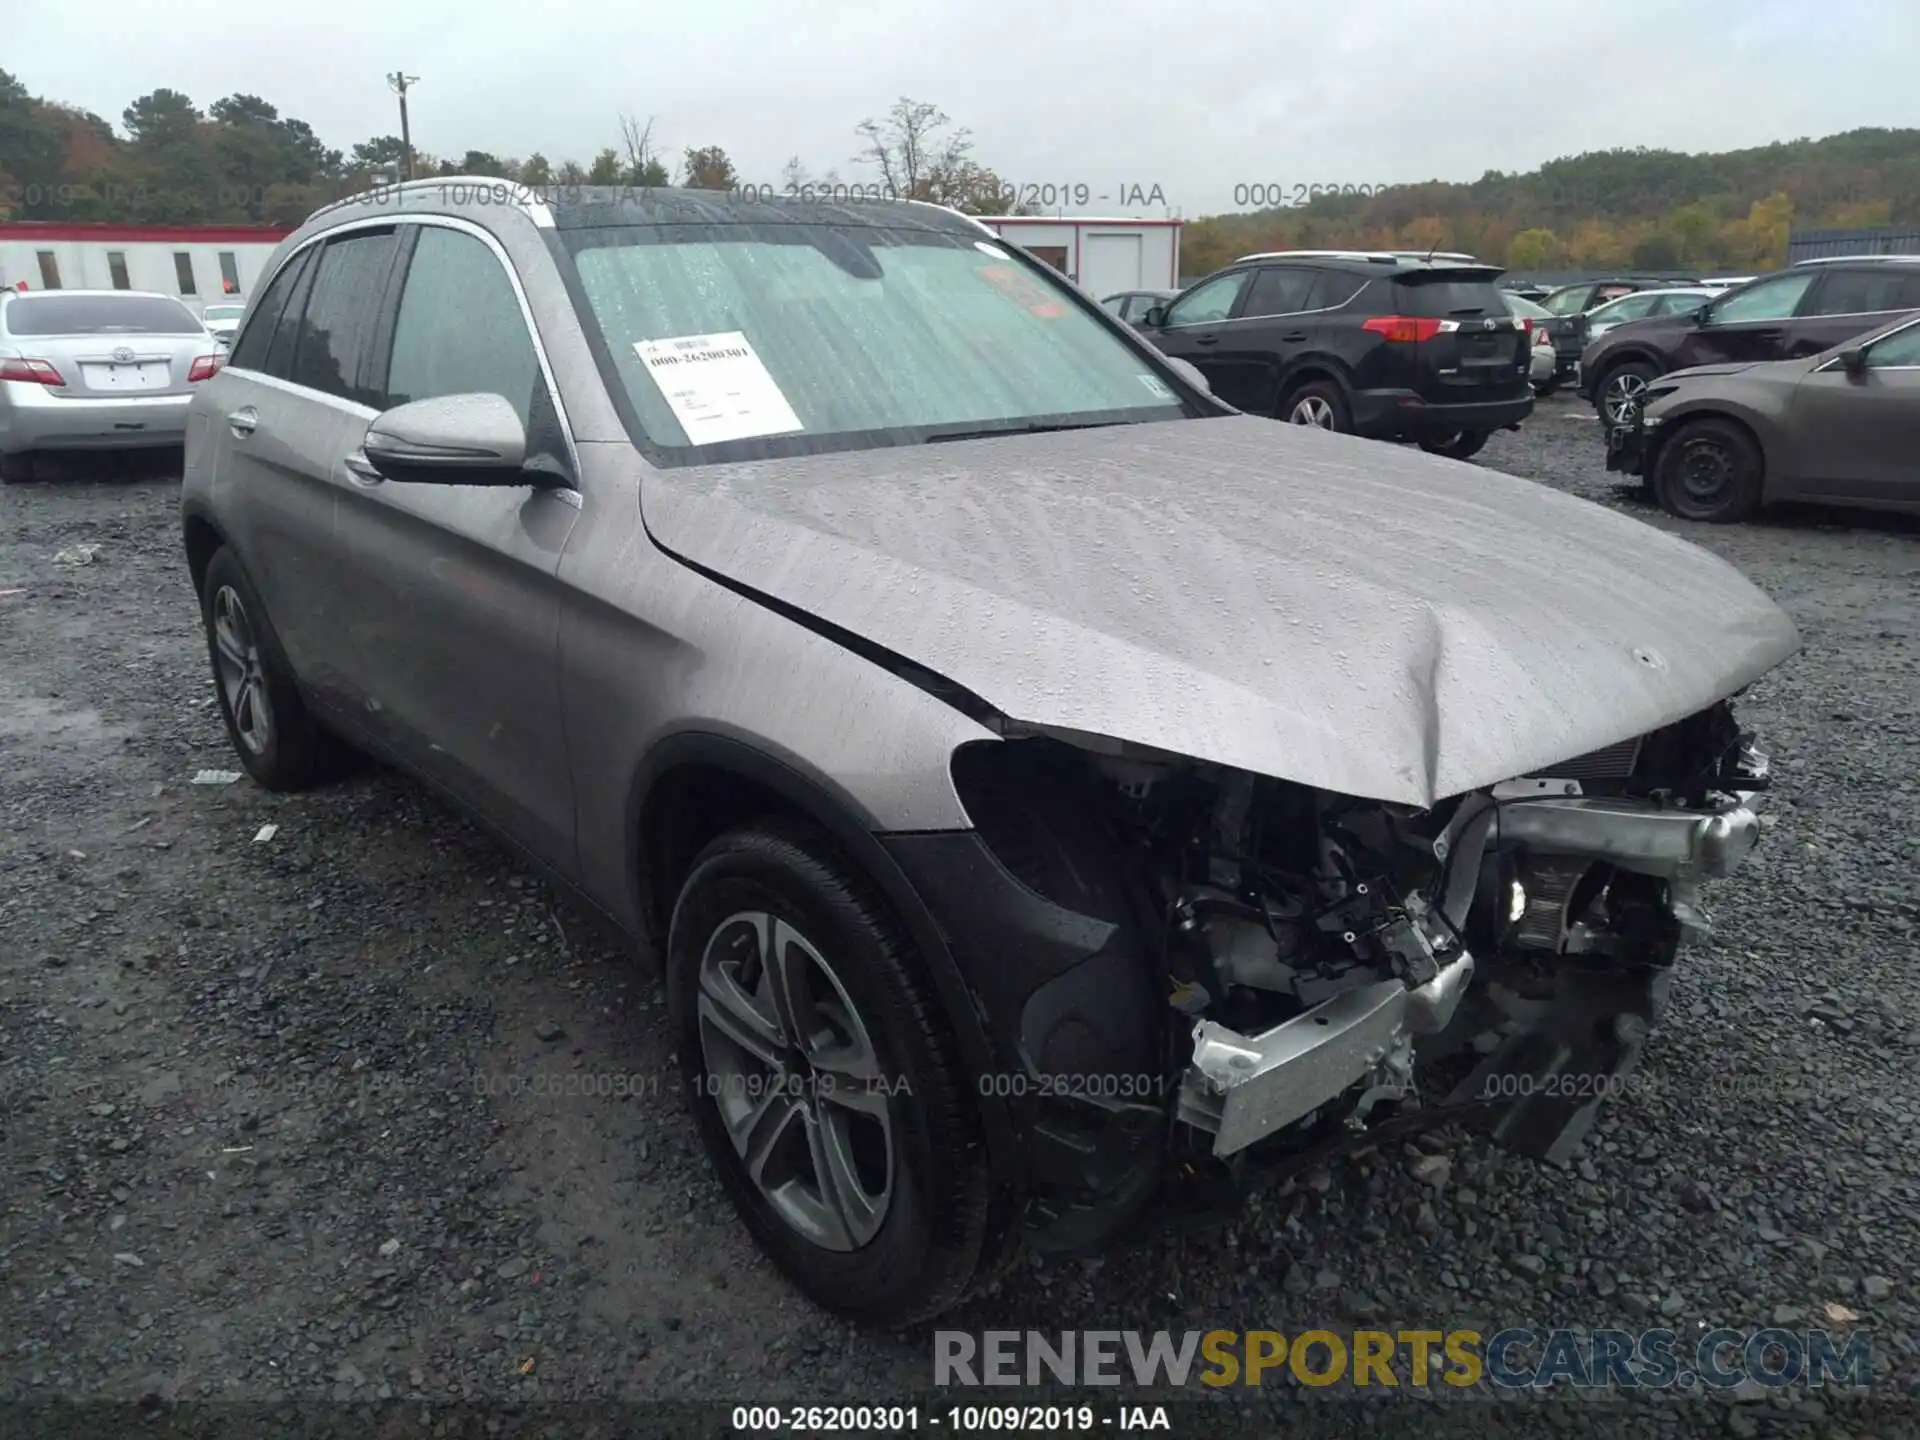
398, 82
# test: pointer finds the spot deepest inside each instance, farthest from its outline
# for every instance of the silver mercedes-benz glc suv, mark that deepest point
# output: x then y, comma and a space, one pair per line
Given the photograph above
1058, 800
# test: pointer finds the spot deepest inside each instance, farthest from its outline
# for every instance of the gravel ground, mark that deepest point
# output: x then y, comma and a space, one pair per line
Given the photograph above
319, 1116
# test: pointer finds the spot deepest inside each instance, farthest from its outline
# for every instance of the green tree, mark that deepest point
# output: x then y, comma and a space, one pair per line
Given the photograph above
607, 169
707, 168
1656, 250
536, 170
1534, 249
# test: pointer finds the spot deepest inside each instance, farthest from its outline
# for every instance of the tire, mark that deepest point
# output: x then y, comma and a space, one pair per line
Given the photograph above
1709, 470
1322, 400
1460, 445
1546, 388
1630, 377
274, 737
16, 469
918, 1232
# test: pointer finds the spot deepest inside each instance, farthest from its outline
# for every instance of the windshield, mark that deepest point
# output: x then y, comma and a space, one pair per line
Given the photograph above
742, 341
101, 315
1520, 305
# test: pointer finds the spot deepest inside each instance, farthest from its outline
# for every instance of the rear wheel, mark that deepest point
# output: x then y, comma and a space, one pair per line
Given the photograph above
1319, 404
1460, 445
1711, 470
275, 739
1621, 390
825, 1082
16, 469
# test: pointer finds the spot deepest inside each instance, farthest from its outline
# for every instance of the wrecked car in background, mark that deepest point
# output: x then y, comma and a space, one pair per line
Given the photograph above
1058, 800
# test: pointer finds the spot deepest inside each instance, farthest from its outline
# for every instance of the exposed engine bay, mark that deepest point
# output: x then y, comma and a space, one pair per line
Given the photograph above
1311, 953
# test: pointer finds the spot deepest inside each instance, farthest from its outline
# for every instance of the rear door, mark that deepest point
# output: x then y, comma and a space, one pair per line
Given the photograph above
1858, 436
448, 597
1194, 322
268, 441
1472, 348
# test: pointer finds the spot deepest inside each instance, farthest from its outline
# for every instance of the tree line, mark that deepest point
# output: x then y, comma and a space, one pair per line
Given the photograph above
240, 161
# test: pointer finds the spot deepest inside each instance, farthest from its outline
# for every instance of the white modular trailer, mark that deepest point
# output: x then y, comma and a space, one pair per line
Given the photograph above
1103, 256
202, 264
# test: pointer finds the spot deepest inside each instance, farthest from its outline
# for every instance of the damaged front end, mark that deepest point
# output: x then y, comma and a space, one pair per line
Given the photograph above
1197, 977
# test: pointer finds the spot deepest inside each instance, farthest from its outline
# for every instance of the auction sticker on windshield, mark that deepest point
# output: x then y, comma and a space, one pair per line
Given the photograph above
718, 387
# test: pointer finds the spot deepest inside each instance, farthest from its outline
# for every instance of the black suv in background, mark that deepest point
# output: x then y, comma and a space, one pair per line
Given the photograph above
1790, 314
1374, 344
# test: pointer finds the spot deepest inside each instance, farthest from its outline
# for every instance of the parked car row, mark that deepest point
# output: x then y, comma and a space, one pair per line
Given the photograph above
1390, 345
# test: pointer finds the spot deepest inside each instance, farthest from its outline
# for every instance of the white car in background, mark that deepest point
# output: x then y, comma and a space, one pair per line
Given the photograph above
1643, 303
222, 320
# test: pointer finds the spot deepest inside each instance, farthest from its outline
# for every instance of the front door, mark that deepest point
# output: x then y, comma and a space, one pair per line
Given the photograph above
451, 610
1857, 436
1748, 326
1195, 323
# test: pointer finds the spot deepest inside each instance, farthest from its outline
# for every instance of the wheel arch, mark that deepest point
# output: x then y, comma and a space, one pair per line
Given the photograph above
203, 539
694, 785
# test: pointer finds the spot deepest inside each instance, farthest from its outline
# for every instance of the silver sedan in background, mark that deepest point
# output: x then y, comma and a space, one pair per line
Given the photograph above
95, 370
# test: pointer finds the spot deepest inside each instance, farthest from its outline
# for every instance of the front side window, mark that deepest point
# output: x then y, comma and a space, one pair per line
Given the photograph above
183, 270
1773, 299
101, 315
337, 326
117, 268
1212, 301
1897, 351
460, 329
787, 339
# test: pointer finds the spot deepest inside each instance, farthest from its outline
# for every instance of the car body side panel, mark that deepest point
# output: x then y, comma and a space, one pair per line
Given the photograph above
650, 648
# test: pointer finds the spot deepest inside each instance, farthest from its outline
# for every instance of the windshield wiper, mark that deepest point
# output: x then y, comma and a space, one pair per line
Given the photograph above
983, 434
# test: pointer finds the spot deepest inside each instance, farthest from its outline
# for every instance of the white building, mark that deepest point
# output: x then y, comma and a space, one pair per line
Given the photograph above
202, 264
1104, 256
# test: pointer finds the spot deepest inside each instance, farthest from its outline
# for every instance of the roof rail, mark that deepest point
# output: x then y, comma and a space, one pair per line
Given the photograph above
1377, 257
524, 196
1847, 259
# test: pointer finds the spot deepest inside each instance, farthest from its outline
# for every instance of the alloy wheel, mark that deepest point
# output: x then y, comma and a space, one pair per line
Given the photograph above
1312, 410
241, 670
1623, 396
791, 1066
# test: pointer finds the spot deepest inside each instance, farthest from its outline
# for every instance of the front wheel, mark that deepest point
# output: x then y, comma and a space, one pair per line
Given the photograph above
1711, 471
1622, 389
1460, 445
824, 1079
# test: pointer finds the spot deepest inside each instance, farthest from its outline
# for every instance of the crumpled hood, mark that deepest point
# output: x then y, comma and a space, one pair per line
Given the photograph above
1700, 372
1351, 615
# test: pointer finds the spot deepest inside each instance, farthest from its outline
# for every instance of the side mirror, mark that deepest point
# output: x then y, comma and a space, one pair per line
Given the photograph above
1704, 315
1155, 317
450, 440
1190, 373
1854, 360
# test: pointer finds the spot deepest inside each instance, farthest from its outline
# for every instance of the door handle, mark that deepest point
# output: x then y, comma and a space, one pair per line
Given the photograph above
1294, 337
1206, 339
243, 422
361, 470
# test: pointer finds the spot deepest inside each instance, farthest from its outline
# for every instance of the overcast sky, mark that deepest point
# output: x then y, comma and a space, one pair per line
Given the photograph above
1101, 93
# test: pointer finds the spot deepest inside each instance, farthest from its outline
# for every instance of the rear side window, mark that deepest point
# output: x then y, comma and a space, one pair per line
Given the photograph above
1864, 291
1440, 298
460, 329
250, 349
1334, 288
1278, 290
337, 327
101, 315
